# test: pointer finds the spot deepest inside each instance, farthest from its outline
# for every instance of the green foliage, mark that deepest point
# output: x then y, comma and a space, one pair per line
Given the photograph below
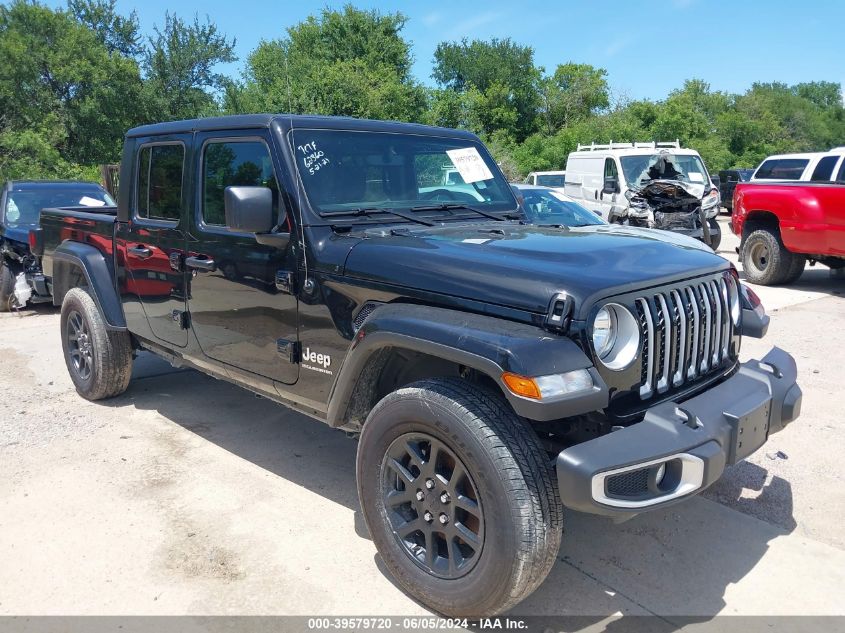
74, 80
350, 62
499, 80
117, 33
179, 65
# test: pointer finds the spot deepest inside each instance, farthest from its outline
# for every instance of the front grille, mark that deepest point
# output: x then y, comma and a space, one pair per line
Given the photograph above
686, 334
633, 483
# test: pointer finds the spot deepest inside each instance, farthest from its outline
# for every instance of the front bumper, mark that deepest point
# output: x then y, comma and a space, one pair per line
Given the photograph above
679, 449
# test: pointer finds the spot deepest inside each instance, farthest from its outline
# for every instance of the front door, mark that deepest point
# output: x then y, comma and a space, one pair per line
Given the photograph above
152, 243
241, 311
609, 200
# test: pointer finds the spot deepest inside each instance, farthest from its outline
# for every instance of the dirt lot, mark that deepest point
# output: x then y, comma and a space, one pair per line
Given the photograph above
188, 495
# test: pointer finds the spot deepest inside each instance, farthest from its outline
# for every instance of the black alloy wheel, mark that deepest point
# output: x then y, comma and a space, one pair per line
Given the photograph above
433, 506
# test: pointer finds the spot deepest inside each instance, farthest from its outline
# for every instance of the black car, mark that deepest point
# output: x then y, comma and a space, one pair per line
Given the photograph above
493, 371
728, 178
21, 202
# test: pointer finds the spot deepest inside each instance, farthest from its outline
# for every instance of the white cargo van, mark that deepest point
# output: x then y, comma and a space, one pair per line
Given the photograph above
653, 185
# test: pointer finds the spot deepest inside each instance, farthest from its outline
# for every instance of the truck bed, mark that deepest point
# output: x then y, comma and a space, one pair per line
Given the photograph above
94, 226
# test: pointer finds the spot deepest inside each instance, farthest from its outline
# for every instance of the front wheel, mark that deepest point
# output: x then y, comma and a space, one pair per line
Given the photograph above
99, 360
459, 497
715, 234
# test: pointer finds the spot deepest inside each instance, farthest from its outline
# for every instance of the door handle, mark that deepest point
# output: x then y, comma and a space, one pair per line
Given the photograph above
140, 251
198, 263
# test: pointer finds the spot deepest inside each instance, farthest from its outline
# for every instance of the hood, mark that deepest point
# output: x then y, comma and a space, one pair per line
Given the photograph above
523, 266
18, 233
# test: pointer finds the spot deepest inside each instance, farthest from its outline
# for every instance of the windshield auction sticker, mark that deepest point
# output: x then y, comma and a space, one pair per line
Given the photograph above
469, 164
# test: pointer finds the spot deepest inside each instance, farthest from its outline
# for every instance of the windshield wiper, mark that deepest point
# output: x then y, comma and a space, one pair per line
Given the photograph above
453, 205
359, 211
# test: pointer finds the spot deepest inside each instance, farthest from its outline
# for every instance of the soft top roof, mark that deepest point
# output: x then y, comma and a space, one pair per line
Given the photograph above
288, 121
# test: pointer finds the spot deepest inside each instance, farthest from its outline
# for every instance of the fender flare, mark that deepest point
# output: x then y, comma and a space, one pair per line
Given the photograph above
487, 344
98, 273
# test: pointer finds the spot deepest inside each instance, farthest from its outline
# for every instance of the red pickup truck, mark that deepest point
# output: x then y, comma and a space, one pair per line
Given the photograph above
783, 224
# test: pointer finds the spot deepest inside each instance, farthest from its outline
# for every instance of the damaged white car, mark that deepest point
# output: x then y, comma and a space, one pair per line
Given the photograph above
651, 185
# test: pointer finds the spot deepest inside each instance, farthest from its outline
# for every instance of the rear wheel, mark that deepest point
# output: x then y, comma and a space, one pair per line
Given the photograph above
99, 360
796, 268
459, 497
7, 287
765, 259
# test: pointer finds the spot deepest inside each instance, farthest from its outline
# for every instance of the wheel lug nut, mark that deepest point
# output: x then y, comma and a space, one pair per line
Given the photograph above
444, 519
444, 498
429, 483
420, 495
428, 516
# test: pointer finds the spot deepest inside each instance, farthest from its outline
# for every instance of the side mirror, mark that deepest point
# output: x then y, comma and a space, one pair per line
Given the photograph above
611, 184
249, 209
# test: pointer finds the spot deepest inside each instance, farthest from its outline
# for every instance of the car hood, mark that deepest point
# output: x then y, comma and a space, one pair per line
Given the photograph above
18, 233
523, 267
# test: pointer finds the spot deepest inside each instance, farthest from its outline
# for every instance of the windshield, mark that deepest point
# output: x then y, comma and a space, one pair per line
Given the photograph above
639, 170
550, 180
543, 206
345, 171
24, 207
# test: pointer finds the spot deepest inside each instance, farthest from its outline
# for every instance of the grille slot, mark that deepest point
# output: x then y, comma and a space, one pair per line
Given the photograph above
633, 483
686, 334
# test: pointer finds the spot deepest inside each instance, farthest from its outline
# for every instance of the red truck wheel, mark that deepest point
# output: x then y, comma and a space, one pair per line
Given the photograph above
766, 260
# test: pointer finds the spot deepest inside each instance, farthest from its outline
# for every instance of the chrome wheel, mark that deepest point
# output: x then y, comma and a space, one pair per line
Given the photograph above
80, 348
432, 504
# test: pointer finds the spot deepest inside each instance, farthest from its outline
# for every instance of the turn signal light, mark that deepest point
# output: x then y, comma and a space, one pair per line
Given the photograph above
522, 386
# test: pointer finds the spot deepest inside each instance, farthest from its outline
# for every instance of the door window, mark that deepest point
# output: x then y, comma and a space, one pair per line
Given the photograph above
610, 170
159, 195
234, 164
824, 170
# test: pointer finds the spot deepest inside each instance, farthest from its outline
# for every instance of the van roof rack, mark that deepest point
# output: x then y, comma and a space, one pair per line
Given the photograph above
592, 147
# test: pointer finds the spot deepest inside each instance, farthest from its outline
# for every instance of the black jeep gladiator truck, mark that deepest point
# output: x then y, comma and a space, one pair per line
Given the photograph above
20, 203
493, 371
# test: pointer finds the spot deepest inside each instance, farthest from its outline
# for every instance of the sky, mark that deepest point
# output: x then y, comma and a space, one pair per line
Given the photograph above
648, 48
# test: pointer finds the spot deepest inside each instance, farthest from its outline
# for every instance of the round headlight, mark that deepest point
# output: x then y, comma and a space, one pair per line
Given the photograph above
616, 336
604, 331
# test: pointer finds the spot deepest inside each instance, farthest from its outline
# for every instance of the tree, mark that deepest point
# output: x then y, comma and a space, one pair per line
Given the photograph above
179, 65
117, 33
65, 99
504, 76
573, 93
350, 62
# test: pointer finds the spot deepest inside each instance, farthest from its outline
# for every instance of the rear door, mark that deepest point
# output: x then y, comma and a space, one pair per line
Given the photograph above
242, 312
152, 243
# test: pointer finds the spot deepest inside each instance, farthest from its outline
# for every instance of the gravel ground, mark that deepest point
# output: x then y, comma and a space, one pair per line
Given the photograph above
186, 495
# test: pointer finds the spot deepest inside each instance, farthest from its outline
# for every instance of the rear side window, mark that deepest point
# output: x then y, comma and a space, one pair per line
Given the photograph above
234, 164
160, 170
824, 170
782, 169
